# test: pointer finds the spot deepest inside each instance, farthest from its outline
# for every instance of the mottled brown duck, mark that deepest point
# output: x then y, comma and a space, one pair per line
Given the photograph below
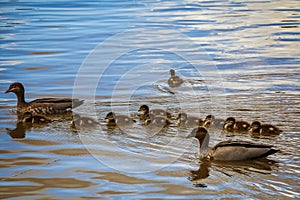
44, 106
231, 150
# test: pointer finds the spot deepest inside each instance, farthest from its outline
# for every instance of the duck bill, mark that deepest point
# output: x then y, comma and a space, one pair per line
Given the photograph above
8, 90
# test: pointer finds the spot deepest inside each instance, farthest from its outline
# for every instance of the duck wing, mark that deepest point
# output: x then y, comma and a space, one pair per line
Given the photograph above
241, 150
59, 102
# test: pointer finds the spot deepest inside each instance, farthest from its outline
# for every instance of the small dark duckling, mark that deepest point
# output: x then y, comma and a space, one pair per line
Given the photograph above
28, 117
230, 150
189, 121
160, 122
257, 129
82, 121
239, 126
211, 122
174, 81
121, 120
145, 111
45, 106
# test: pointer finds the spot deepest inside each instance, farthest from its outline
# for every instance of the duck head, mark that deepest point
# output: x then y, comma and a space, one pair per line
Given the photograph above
110, 117
230, 121
172, 72
144, 109
16, 88
199, 133
255, 126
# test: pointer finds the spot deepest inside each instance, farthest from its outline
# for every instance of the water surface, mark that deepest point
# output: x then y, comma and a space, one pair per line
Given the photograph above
238, 59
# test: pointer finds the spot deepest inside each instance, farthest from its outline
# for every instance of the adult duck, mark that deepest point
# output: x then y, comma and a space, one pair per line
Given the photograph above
174, 81
259, 130
231, 150
44, 106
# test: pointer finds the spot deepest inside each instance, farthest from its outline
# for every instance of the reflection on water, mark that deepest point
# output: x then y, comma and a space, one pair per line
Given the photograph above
247, 54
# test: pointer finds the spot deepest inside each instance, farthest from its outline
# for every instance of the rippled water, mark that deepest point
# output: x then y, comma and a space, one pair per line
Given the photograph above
238, 58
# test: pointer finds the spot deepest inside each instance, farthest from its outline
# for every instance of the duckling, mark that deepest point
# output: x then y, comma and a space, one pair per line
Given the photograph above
174, 81
189, 121
160, 122
211, 122
82, 121
231, 150
28, 117
257, 129
239, 126
121, 120
145, 111
45, 106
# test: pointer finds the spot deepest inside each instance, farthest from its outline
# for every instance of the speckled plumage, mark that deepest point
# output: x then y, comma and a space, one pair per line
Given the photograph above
44, 106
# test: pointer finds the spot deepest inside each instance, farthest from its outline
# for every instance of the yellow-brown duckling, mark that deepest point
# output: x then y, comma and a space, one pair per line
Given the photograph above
260, 130
238, 126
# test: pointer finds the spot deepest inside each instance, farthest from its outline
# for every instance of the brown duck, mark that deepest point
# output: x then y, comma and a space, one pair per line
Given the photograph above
44, 106
231, 150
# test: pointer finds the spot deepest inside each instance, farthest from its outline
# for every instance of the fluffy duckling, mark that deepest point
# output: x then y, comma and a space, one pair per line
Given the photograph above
45, 106
189, 121
174, 81
257, 129
239, 126
231, 150
82, 121
211, 122
28, 117
121, 120
160, 122
145, 112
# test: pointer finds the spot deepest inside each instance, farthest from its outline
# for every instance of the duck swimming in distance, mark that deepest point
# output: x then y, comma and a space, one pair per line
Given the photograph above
233, 125
44, 106
231, 150
258, 130
174, 81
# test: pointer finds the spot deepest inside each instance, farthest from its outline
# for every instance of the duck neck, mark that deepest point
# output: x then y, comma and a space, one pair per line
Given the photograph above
21, 98
204, 143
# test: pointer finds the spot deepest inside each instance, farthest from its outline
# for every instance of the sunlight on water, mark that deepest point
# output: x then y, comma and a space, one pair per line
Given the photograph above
237, 59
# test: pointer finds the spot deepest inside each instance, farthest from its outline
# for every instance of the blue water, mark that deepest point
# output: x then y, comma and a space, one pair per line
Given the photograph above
238, 58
